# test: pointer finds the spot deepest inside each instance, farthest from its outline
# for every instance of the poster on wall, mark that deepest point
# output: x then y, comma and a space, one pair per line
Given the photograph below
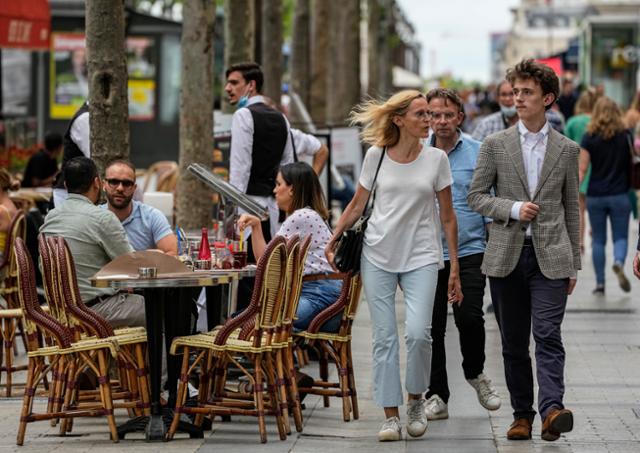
70, 86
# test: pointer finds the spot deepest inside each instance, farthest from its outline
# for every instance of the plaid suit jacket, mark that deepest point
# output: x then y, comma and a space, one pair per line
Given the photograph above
499, 180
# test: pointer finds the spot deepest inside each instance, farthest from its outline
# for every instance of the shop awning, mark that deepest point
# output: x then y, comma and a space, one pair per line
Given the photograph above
25, 24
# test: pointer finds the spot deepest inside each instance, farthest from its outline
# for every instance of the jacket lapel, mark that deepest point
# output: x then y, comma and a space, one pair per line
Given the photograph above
514, 151
554, 150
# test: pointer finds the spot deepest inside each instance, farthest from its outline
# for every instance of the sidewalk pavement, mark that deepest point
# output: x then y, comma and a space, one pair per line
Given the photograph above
602, 341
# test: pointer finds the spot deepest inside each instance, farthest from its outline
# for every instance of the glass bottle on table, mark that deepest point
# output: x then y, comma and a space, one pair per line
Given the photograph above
205, 252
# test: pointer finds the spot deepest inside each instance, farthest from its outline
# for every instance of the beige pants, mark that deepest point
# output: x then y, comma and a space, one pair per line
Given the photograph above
122, 310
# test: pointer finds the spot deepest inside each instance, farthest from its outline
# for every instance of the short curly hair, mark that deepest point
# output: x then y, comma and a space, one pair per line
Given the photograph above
542, 74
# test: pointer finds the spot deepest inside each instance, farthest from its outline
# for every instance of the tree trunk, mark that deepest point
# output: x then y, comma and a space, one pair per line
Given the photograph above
272, 60
319, 61
300, 57
196, 107
344, 69
380, 30
238, 36
107, 66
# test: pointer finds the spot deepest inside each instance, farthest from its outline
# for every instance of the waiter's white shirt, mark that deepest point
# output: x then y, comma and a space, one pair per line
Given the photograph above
240, 157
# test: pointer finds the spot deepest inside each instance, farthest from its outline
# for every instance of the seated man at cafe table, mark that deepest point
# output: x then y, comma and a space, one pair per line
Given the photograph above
146, 227
95, 237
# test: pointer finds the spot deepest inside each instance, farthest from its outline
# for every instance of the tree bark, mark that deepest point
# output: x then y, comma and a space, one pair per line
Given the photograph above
344, 69
380, 30
319, 61
300, 57
238, 36
196, 112
272, 61
107, 67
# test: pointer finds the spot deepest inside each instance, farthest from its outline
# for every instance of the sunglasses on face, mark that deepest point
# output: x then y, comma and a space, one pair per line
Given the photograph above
114, 183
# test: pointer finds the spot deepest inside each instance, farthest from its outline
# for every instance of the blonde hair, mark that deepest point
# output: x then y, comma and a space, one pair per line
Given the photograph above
586, 101
606, 119
376, 117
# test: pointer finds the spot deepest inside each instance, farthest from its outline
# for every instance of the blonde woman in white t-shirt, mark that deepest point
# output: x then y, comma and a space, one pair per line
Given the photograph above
402, 247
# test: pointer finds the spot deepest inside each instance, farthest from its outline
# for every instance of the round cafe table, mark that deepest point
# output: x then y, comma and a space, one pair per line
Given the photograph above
168, 302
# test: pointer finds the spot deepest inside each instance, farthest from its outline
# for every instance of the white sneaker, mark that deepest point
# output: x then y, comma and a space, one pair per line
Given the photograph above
391, 430
436, 409
487, 395
622, 279
416, 418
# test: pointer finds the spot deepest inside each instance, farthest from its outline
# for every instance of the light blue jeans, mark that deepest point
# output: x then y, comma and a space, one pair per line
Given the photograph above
617, 208
419, 287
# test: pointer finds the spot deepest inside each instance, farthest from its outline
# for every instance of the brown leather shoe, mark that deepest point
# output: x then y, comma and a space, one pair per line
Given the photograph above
557, 421
520, 429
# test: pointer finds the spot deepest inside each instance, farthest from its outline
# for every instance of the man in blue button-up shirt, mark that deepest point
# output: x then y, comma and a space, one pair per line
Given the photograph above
445, 107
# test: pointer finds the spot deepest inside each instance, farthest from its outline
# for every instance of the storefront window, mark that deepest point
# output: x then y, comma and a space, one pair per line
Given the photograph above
614, 61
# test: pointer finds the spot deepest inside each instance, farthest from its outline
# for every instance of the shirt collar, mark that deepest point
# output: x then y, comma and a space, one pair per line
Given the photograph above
79, 197
135, 212
256, 99
432, 140
522, 129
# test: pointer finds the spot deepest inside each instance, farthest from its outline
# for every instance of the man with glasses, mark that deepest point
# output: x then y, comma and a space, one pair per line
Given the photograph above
446, 112
501, 120
146, 227
95, 237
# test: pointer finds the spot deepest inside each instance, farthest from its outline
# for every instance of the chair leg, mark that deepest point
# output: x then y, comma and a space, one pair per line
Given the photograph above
323, 364
259, 398
352, 383
181, 396
27, 401
343, 380
207, 381
281, 379
9, 327
294, 394
70, 392
143, 379
105, 392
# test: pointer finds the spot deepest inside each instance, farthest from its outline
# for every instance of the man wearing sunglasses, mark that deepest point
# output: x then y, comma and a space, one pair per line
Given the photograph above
146, 227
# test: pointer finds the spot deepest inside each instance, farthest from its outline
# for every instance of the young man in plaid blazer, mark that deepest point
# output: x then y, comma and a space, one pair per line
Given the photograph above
533, 254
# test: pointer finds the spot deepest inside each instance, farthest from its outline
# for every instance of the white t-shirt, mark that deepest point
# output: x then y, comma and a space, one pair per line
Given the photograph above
304, 222
305, 144
403, 233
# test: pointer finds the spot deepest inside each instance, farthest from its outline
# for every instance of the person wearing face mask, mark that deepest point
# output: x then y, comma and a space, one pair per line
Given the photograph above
260, 144
260, 139
501, 120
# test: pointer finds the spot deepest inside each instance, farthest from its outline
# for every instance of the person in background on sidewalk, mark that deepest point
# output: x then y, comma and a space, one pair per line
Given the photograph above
575, 130
636, 259
606, 147
146, 227
526, 180
42, 167
402, 247
445, 107
499, 121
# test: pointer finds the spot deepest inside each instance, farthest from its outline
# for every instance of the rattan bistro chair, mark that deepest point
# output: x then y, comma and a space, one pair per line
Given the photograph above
93, 353
10, 315
336, 347
215, 352
62, 289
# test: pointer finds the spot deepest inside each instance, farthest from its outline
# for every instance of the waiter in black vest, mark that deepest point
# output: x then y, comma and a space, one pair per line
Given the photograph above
260, 144
76, 143
260, 140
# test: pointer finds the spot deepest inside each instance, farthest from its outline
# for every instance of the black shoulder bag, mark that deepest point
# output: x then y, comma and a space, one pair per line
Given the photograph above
349, 248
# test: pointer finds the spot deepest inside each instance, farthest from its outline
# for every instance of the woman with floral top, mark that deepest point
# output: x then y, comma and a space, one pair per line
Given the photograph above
299, 194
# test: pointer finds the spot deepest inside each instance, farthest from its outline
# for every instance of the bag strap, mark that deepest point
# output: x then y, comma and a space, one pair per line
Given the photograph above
375, 177
293, 145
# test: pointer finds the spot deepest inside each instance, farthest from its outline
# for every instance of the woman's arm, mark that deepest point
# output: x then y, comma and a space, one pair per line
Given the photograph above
352, 212
257, 238
450, 228
585, 159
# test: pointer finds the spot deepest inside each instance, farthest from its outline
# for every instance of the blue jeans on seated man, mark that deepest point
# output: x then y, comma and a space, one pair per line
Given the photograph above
315, 296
